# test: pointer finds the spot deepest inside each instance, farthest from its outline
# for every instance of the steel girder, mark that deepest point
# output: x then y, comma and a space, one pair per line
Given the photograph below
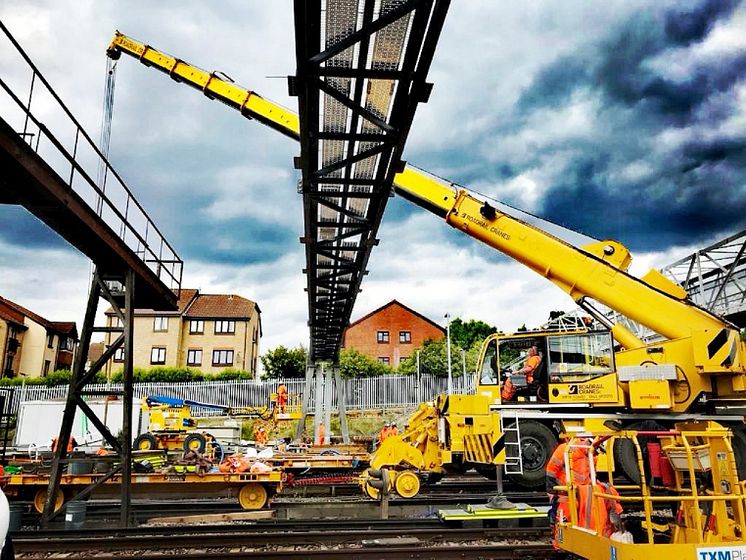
361, 71
715, 277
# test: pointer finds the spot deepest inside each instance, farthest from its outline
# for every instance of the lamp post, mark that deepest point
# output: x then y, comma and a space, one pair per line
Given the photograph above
448, 350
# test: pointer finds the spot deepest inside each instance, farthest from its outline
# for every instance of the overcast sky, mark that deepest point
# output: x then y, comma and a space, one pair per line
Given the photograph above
624, 119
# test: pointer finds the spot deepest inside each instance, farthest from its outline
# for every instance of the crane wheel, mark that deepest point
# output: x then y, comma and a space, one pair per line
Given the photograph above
373, 493
40, 498
738, 442
407, 484
252, 496
625, 453
145, 442
537, 444
195, 442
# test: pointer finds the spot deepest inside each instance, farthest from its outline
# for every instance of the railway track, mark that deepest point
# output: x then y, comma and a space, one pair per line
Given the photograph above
286, 507
392, 539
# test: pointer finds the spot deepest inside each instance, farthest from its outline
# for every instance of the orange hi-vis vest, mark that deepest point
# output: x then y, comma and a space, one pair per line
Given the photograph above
533, 363
580, 466
595, 508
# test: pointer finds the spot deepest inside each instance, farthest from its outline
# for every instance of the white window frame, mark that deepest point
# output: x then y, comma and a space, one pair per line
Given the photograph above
160, 323
223, 352
194, 352
155, 355
196, 326
226, 326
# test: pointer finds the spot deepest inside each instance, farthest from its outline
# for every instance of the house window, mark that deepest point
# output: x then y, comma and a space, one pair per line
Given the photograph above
50, 340
384, 360
405, 337
67, 344
194, 357
160, 324
222, 357
196, 327
158, 355
382, 337
119, 355
47, 364
403, 359
225, 327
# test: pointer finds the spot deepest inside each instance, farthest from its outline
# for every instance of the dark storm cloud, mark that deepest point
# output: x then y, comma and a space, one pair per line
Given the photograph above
684, 27
556, 83
731, 153
603, 210
694, 188
19, 227
235, 242
618, 69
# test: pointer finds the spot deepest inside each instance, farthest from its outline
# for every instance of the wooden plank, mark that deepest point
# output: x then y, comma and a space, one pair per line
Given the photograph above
259, 514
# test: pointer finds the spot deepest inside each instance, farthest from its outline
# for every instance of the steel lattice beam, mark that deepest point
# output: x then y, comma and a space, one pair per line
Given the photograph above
361, 70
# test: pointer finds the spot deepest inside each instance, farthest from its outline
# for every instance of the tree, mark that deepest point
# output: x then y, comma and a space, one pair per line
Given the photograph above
354, 364
434, 358
466, 334
284, 362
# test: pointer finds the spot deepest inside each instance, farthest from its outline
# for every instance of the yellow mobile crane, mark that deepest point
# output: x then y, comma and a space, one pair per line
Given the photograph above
585, 377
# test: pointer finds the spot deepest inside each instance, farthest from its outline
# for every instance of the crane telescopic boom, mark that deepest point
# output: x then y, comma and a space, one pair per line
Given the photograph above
596, 271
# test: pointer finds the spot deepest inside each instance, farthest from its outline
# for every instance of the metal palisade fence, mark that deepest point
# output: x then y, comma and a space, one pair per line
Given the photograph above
390, 391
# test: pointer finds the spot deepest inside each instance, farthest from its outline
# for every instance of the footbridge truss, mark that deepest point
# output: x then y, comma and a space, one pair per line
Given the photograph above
53, 168
361, 72
715, 277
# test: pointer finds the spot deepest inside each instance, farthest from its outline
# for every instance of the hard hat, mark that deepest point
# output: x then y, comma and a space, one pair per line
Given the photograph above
387, 424
393, 423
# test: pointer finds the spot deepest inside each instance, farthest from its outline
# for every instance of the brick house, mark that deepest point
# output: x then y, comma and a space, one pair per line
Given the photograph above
31, 345
391, 333
209, 332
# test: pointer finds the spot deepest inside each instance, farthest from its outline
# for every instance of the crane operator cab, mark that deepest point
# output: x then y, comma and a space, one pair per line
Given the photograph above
549, 367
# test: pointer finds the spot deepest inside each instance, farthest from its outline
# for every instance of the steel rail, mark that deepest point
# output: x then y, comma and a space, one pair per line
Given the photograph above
438, 536
524, 551
98, 512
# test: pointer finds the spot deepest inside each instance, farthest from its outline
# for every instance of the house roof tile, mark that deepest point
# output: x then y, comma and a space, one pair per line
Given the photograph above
50, 325
194, 305
10, 313
395, 302
219, 306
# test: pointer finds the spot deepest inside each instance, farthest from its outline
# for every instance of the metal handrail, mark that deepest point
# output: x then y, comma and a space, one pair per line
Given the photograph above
169, 265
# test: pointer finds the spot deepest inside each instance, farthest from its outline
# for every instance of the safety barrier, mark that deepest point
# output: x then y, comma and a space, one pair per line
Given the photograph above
390, 391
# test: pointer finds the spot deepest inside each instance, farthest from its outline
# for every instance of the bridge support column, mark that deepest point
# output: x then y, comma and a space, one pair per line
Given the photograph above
301, 428
122, 304
341, 405
322, 379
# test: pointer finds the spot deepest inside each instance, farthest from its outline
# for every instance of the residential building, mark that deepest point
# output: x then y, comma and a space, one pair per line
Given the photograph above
391, 333
209, 332
31, 345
